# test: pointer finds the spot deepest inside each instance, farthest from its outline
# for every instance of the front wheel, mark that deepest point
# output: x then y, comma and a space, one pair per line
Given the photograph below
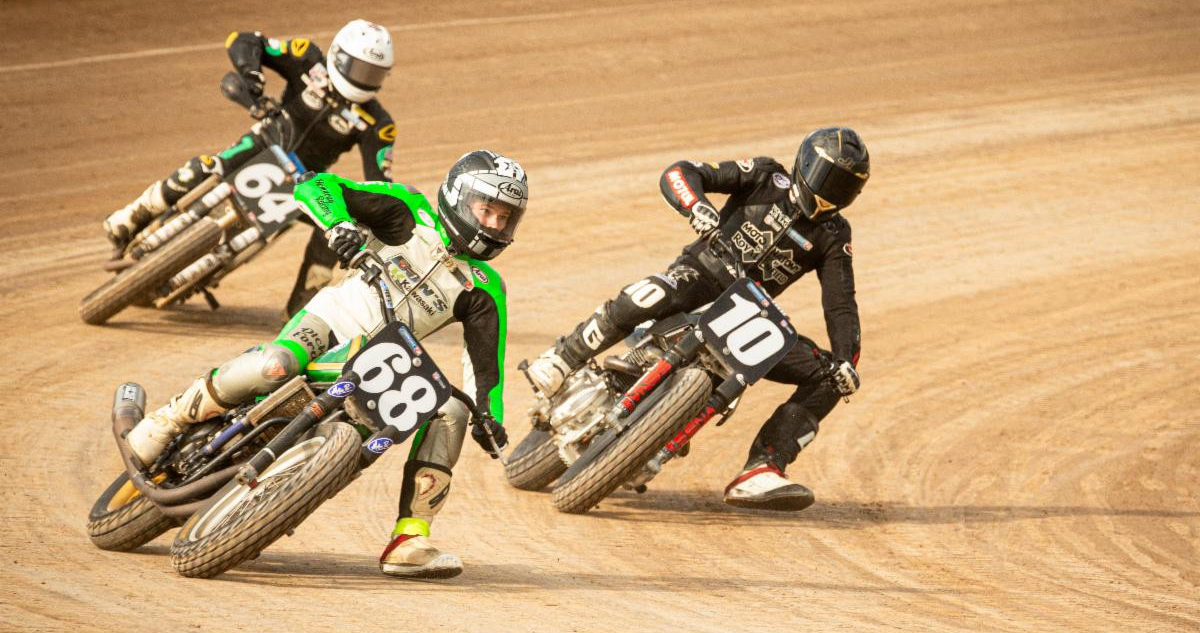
610, 462
534, 463
242, 521
138, 282
122, 519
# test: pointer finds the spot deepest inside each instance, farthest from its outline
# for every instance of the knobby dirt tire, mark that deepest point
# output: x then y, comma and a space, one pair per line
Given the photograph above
122, 519
319, 473
139, 281
534, 463
685, 394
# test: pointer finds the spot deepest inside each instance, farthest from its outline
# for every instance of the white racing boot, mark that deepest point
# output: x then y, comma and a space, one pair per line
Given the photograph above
150, 436
410, 554
763, 487
547, 372
124, 223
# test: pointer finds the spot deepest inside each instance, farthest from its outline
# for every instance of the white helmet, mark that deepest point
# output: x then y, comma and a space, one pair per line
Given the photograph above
361, 56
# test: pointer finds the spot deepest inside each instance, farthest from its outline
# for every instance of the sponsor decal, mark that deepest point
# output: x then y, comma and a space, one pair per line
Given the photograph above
387, 133
341, 389
697, 164
275, 47
410, 341
274, 369
299, 47
682, 190
379, 445
512, 190
339, 124
683, 274
847, 249
311, 98
426, 218
480, 275
746, 165
781, 181
229, 40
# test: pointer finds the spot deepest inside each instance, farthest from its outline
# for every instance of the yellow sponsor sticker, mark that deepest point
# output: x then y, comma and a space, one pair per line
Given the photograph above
299, 46
229, 40
387, 133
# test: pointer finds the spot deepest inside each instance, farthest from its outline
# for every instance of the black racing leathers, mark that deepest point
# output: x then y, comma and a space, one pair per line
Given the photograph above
756, 215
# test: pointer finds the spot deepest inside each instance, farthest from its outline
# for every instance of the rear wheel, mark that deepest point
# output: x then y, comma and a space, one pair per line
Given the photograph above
611, 459
122, 519
138, 282
242, 521
534, 463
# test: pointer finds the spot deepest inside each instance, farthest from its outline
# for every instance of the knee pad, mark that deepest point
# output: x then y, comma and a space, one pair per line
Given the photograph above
442, 441
254, 373
425, 489
192, 173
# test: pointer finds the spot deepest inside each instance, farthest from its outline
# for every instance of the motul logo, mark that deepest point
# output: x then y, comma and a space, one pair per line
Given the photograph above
682, 191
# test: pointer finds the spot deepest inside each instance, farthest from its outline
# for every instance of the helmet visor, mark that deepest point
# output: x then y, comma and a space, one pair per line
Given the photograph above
493, 217
360, 73
831, 183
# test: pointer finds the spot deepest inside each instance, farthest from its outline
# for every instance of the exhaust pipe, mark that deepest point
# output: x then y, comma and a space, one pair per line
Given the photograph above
129, 405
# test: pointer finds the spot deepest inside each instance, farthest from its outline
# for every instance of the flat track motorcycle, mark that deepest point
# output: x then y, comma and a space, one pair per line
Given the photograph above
618, 422
217, 227
239, 481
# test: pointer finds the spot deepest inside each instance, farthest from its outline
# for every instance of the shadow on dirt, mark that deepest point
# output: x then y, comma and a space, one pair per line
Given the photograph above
705, 507
200, 322
329, 571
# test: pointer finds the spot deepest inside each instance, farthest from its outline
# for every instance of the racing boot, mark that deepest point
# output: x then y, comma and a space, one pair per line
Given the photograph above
125, 223
150, 436
548, 371
410, 554
762, 486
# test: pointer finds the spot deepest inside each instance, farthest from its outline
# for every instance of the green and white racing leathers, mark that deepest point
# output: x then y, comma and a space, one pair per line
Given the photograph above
408, 235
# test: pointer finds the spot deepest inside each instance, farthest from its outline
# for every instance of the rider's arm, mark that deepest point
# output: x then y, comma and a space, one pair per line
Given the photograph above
382, 207
251, 51
375, 143
836, 273
483, 313
685, 183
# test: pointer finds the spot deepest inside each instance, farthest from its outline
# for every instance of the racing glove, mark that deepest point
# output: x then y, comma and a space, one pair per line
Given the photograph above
479, 432
345, 240
255, 82
704, 218
844, 376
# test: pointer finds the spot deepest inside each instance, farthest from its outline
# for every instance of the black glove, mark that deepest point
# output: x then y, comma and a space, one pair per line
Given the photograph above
479, 432
255, 82
345, 240
844, 376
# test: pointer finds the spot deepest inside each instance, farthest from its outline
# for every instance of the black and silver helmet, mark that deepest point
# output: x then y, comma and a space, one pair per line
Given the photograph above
482, 179
832, 165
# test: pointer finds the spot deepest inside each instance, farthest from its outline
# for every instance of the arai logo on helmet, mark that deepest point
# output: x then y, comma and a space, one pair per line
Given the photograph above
379, 445
480, 276
512, 190
781, 181
341, 389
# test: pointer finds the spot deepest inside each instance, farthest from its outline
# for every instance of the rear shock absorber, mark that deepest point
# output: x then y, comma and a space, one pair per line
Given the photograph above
205, 266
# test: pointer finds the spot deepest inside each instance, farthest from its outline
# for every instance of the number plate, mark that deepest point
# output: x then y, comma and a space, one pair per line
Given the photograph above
399, 384
747, 331
264, 187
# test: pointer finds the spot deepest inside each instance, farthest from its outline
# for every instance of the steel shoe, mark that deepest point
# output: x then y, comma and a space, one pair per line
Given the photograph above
763, 487
413, 556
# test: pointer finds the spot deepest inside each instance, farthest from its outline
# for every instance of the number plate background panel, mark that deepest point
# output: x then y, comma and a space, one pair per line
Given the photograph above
767, 348
386, 400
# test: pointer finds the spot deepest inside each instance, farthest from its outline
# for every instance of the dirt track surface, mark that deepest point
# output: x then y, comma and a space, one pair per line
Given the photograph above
1023, 454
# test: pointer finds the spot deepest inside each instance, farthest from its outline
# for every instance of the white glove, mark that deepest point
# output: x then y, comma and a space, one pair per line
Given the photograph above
704, 218
844, 377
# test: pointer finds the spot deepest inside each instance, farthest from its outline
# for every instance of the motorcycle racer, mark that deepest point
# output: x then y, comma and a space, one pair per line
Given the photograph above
800, 212
480, 204
331, 102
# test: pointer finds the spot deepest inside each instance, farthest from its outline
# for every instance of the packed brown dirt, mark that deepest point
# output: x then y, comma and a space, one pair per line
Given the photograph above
1023, 453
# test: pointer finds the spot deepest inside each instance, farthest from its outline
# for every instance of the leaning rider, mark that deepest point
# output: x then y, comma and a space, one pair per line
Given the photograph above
479, 207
